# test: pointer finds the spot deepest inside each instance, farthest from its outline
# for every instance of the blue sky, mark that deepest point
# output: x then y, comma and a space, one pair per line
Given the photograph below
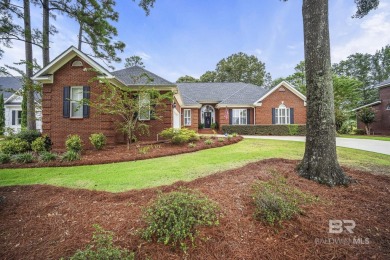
184, 37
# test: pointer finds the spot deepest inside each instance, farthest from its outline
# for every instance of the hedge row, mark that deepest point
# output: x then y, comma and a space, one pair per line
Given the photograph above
265, 129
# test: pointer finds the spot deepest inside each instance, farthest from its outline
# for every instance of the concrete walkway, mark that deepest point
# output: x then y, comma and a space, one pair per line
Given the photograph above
376, 146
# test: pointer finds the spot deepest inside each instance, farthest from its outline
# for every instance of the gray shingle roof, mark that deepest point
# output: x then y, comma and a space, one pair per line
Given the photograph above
132, 76
8, 85
224, 93
383, 83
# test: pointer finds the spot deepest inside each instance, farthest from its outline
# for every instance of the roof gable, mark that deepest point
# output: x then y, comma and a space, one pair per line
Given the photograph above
286, 85
8, 85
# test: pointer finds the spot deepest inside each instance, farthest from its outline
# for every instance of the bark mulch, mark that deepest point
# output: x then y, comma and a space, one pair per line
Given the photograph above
45, 222
120, 153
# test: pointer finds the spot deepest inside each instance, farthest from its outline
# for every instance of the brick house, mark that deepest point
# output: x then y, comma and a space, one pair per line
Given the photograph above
381, 126
67, 79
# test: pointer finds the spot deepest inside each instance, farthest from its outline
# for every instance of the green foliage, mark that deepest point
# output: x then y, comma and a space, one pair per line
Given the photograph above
179, 136
144, 149
134, 61
23, 158
276, 200
102, 248
48, 142
98, 140
214, 125
191, 145
14, 146
174, 217
74, 143
278, 130
38, 145
186, 78
28, 135
293, 129
234, 134
348, 127
208, 76
5, 158
201, 126
221, 139
2, 114
367, 116
24, 110
47, 156
346, 93
208, 141
70, 156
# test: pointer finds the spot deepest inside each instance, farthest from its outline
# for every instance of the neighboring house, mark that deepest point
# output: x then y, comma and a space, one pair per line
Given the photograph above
382, 110
11, 87
67, 79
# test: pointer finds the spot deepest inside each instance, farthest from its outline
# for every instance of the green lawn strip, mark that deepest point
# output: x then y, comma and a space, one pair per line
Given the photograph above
371, 137
119, 177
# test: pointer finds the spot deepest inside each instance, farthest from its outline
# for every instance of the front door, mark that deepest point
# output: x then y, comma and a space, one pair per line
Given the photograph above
207, 119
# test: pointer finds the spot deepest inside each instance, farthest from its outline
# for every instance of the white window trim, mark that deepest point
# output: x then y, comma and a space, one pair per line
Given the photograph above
237, 113
72, 101
286, 117
187, 117
17, 119
141, 106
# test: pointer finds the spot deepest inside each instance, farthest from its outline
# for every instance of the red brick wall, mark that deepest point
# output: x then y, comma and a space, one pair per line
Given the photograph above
264, 112
58, 128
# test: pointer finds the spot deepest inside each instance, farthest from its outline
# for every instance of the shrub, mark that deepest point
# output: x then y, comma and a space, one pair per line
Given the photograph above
359, 132
48, 143
234, 134
179, 136
47, 156
348, 127
38, 145
14, 146
264, 129
74, 143
28, 135
221, 139
144, 149
208, 141
98, 140
214, 125
70, 156
102, 247
293, 129
23, 158
4, 158
191, 145
174, 217
276, 201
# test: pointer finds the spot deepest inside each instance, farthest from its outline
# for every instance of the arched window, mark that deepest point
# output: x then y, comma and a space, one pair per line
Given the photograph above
282, 115
77, 63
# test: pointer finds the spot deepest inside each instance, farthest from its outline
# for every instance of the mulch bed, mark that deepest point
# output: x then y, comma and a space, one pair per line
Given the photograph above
120, 153
45, 222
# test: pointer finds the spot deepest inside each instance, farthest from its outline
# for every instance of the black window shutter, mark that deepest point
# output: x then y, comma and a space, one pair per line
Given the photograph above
248, 116
230, 116
273, 116
13, 117
153, 112
291, 115
66, 103
86, 96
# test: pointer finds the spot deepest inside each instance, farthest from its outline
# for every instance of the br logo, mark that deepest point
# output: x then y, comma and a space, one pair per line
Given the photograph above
336, 226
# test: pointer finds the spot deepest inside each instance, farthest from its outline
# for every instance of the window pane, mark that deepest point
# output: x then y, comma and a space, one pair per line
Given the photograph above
144, 109
76, 110
77, 94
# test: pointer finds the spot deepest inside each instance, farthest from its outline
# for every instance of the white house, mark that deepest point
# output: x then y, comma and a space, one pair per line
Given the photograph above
10, 87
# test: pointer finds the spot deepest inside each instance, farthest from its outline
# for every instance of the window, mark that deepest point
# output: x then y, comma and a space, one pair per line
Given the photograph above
187, 117
282, 115
76, 96
144, 106
239, 117
388, 107
16, 117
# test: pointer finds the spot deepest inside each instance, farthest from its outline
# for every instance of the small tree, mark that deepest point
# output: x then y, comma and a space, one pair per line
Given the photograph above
367, 116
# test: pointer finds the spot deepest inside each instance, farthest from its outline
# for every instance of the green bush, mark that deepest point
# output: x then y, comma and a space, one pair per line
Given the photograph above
98, 140
74, 143
280, 130
38, 145
174, 217
4, 158
14, 146
28, 135
48, 143
276, 201
348, 127
214, 125
23, 158
208, 141
102, 248
47, 156
221, 139
179, 136
69, 156
191, 145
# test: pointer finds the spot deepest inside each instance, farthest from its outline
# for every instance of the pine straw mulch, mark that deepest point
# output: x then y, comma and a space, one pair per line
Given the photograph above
120, 153
45, 222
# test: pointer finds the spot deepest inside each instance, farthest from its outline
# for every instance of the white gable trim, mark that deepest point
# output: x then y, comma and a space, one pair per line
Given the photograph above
286, 85
45, 75
368, 105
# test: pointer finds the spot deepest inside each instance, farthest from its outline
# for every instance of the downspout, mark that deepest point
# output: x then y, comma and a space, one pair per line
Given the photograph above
254, 116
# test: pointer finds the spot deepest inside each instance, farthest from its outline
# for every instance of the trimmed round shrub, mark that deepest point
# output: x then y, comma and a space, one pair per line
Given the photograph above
74, 143
4, 158
69, 156
174, 217
38, 145
47, 156
98, 140
28, 135
14, 146
23, 158
179, 136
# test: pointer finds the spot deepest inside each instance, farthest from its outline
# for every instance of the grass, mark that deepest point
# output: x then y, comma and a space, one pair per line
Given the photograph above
372, 137
120, 177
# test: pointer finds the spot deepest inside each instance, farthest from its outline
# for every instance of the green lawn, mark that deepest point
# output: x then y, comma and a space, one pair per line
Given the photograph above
372, 137
167, 170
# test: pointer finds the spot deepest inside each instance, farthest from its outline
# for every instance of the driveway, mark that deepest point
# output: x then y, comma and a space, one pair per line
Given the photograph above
376, 146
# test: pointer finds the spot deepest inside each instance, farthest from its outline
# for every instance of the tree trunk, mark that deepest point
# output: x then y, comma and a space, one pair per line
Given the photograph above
31, 125
320, 160
45, 33
368, 130
80, 36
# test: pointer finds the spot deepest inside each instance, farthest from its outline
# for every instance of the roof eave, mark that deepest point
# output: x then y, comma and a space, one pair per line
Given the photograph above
368, 105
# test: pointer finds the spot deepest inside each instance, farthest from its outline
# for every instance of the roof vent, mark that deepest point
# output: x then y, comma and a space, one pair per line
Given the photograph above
282, 89
77, 63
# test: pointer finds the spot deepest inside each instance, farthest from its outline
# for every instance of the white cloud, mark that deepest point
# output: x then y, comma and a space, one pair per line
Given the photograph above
143, 55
